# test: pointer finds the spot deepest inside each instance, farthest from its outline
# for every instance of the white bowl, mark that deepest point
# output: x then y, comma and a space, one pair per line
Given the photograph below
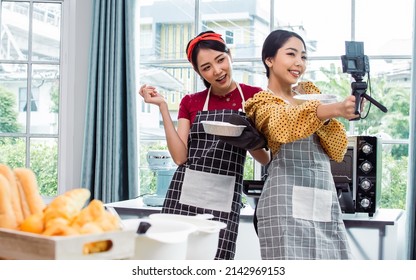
203, 242
324, 98
164, 240
222, 128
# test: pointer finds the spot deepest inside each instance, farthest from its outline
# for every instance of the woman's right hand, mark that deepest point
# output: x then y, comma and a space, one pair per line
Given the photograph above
347, 108
151, 95
344, 109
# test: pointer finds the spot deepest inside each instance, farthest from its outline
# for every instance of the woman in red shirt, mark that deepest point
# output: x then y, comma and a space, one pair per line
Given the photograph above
209, 176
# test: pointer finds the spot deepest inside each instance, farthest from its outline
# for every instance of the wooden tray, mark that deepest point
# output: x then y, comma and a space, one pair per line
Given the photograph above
27, 246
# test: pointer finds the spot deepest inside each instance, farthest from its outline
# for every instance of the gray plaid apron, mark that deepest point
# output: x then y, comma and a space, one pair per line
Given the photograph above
211, 156
298, 212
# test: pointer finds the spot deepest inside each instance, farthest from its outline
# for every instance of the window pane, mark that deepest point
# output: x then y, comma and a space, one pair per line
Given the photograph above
324, 25
13, 97
45, 96
164, 27
394, 170
46, 31
44, 162
13, 151
382, 34
251, 73
243, 24
390, 86
14, 30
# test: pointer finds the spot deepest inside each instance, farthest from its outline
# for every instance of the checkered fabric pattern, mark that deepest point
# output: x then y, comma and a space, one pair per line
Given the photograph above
208, 154
282, 236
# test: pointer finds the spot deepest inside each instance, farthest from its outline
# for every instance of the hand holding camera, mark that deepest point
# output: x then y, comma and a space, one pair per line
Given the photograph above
354, 62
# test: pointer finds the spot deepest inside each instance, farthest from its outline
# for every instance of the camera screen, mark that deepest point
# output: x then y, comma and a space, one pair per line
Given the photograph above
354, 61
352, 64
354, 49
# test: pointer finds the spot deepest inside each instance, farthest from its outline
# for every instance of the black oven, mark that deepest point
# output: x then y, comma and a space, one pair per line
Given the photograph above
357, 178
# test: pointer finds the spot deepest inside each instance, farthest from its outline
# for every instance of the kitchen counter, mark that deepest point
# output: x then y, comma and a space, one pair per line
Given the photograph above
136, 208
371, 238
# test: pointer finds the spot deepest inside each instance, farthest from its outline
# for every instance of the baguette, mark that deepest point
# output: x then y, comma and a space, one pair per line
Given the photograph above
30, 191
7, 216
67, 205
23, 201
14, 192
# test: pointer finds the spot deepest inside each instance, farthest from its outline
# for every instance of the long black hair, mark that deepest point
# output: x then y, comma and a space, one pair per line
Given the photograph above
205, 44
274, 41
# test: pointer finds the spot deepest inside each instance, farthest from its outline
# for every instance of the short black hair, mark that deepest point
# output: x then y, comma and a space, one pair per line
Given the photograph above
274, 41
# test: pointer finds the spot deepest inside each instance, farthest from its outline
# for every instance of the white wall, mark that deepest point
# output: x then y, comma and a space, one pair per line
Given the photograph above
76, 40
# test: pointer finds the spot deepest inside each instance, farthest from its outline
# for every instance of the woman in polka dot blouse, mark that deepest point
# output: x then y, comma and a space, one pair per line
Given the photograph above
299, 216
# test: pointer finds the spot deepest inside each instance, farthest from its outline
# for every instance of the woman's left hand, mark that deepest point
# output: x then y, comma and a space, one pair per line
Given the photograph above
250, 138
151, 95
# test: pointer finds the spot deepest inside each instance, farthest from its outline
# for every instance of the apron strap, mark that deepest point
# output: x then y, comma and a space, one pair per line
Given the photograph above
239, 90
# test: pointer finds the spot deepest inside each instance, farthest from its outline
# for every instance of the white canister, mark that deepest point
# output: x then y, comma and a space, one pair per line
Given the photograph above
164, 240
203, 242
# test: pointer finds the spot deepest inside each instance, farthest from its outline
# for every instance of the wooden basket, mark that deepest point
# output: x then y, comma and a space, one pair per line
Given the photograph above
28, 246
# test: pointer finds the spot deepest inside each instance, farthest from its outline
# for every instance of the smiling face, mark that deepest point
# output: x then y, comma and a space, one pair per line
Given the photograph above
289, 62
216, 68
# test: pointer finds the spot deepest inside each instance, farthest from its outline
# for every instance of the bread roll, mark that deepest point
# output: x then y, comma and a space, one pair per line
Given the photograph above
33, 223
90, 213
14, 192
23, 201
95, 213
67, 205
59, 227
7, 216
29, 186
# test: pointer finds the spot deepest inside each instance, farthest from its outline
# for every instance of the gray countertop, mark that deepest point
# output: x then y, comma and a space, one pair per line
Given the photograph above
136, 207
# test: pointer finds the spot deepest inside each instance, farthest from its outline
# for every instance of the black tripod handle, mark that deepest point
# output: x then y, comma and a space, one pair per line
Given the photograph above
357, 110
359, 91
358, 98
375, 102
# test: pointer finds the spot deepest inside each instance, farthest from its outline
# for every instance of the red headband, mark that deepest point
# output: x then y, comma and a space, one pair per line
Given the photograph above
203, 37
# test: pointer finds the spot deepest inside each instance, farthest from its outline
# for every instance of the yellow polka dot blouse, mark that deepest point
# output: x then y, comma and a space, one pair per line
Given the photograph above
281, 123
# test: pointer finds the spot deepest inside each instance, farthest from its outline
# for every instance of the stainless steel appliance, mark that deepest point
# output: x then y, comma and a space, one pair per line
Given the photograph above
357, 178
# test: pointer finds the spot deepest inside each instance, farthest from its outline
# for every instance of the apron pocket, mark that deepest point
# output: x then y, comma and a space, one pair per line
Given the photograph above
208, 190
311, 204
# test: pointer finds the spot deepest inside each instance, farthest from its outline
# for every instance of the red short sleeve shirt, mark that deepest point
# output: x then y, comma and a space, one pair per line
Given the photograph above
191, 104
